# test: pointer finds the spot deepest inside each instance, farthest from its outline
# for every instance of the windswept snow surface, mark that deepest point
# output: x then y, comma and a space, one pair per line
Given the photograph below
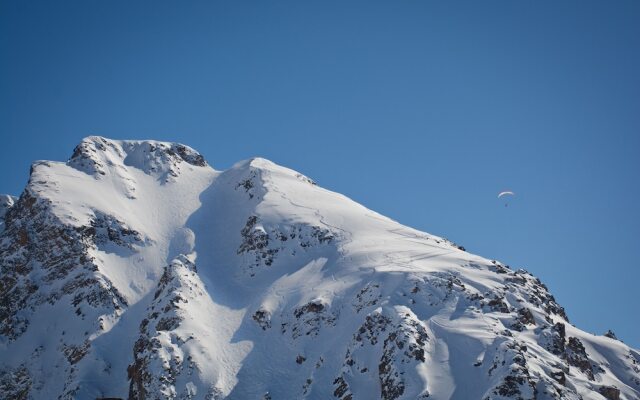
135, 270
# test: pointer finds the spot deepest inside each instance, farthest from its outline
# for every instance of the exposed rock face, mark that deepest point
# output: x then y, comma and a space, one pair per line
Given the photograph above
15, 383
610, 392
46, 263
162, 366
264, 243
59, 255
611, 335
95, 156
299, 293
577, 356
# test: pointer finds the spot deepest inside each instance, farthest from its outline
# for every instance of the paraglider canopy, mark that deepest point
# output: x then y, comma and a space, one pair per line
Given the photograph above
506, 193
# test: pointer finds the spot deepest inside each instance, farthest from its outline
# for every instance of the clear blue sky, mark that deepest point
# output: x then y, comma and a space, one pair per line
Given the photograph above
421, 110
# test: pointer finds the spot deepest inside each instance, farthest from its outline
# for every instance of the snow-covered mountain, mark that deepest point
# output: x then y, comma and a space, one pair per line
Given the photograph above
136, 270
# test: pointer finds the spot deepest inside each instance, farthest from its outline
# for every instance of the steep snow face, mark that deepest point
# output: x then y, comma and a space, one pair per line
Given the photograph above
137, 271
83, 248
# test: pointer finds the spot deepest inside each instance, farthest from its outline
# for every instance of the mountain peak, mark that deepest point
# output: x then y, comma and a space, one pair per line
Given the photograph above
299, 292
256, 166
256, 163
96, 155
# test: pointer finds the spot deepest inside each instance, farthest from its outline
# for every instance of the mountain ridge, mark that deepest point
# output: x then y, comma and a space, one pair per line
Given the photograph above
157, 276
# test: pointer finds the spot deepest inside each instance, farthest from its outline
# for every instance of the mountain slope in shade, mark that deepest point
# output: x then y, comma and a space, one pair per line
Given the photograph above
135, 270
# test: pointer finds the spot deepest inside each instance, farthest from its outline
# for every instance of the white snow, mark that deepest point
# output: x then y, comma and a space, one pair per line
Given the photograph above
332, 255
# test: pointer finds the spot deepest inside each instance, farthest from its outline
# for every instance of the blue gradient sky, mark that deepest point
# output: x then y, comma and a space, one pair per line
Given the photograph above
420, 110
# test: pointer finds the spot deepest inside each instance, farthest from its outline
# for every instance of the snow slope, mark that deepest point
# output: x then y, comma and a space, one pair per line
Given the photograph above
135, 270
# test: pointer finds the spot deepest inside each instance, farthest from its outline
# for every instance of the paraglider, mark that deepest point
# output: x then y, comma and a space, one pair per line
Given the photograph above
506, 193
